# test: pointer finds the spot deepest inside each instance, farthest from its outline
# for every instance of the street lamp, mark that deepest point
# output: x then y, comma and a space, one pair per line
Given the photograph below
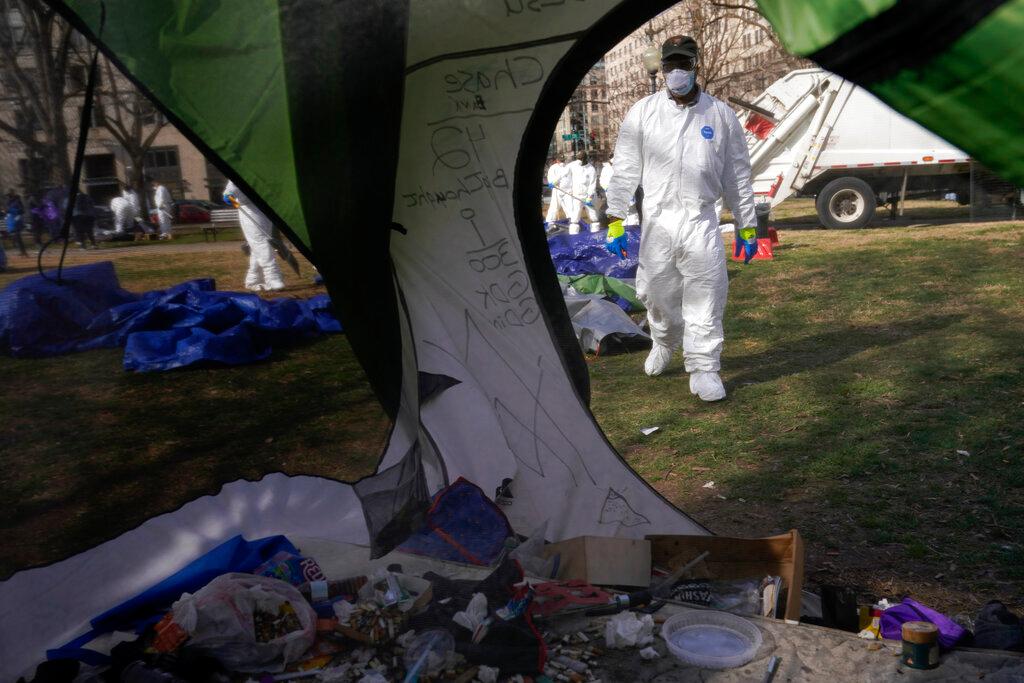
652, 62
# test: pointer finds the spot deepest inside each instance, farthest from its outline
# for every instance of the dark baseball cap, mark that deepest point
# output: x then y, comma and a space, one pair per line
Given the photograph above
684, 46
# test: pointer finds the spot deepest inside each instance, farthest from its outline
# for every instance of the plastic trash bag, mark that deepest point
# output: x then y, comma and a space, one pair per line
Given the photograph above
530, 555
221, 617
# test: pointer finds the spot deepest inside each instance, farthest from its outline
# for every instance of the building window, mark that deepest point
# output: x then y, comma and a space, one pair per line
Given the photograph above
162, 158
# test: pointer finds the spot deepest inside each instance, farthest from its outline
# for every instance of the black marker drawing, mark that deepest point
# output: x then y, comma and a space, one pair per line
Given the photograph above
617, 510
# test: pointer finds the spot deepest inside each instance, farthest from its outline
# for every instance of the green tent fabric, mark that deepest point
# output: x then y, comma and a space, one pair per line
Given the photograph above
401, 144
603, 285
955, 67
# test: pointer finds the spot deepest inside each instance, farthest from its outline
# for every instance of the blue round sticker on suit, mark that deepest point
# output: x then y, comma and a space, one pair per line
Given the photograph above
708, 132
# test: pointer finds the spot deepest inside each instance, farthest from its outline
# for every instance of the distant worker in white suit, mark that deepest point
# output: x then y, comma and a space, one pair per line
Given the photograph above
557, 177
132, 197
164, 208
122, 212
584, 187
126, 209
687, 149
263, 273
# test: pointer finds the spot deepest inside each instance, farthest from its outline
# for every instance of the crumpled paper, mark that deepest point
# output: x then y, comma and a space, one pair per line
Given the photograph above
474, 614
343, 610
626, 630
487, 674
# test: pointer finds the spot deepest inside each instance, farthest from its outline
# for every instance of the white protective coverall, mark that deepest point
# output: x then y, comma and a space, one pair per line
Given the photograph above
605, 180
584, 185
685, 157
132, 197
558, 176
164, 210
122, 212
263, 273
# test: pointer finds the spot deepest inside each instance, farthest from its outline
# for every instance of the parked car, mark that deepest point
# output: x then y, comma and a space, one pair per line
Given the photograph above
188, 211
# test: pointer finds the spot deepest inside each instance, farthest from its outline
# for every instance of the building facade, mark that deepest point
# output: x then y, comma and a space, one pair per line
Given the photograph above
27, 161
583, 125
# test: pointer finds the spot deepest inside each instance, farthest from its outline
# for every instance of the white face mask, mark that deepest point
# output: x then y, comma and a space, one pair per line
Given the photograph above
679, 82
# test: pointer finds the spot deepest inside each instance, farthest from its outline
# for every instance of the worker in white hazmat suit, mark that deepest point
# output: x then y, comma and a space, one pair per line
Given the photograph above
686, 149
584, 187
126, 209
122, 212
557, 176
132, 197
605, 181
263, 273
164, 209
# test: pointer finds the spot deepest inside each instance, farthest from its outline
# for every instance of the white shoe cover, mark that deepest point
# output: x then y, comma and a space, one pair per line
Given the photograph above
707, 385
657, 360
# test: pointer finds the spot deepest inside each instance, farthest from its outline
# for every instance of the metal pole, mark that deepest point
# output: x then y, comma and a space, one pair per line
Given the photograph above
971, 166
903, 193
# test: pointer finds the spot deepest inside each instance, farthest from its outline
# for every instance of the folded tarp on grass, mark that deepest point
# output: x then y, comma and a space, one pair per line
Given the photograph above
585, 253
602, 327
187, 324
620, 291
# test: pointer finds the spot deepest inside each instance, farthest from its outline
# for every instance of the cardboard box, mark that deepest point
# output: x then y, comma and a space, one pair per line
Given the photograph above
740, 558
604, 560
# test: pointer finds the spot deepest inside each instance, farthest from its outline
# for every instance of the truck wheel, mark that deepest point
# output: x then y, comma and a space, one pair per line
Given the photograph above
846, 203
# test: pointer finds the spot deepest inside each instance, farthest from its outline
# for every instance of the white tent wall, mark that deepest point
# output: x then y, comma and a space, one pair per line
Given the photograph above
471, 310
462, 267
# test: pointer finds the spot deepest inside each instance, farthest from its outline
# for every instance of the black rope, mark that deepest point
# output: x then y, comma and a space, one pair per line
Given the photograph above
84, 123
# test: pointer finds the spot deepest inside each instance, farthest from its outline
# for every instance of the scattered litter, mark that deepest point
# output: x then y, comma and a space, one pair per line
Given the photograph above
649, 653
487, 674
473, 616
963, 453
626, 630
709, 485
647, 431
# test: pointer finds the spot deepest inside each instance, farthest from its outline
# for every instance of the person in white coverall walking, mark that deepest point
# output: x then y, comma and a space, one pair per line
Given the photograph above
164, 209
686, 149
263, 273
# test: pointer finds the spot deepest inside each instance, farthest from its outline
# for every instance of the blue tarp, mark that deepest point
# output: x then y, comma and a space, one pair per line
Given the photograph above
463, 525
233, 555
186, 324
586, 253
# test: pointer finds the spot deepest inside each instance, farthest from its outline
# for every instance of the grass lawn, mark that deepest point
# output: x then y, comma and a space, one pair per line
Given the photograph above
875, 404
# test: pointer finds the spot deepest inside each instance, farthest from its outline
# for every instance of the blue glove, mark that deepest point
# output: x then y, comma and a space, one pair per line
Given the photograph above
746, 243
616, 241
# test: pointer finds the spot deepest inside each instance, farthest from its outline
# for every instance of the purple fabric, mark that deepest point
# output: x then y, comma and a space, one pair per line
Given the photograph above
950, 633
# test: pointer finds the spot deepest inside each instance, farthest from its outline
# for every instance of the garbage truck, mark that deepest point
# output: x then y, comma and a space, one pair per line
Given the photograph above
814, 133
